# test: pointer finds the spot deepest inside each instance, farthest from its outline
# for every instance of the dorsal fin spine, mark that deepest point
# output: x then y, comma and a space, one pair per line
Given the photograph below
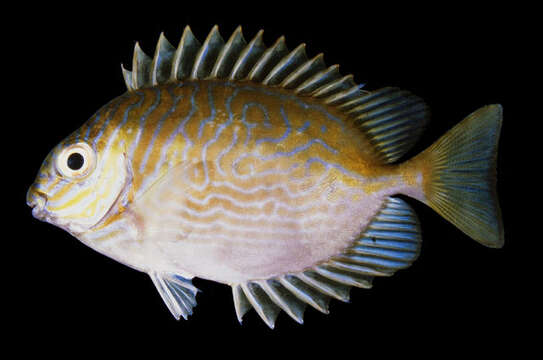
140, 67
184, 55
336, 86
207, 55
319, 79
269, 59
127, 76
248, 57
228, 54
304, 71
162, 61
288, 63
344, 96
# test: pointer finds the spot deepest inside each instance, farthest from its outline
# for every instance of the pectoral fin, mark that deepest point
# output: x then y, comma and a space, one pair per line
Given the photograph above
178, 293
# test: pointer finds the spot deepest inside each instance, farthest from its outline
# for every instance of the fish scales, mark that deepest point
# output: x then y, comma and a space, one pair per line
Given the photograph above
275, 179
265, 171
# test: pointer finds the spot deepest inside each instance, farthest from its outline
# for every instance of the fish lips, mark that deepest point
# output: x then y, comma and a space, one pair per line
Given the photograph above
38, 202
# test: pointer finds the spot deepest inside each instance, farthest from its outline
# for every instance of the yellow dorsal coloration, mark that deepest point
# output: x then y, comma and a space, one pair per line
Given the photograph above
390, 118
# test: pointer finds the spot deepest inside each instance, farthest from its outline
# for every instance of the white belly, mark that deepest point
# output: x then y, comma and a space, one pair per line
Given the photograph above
231, 240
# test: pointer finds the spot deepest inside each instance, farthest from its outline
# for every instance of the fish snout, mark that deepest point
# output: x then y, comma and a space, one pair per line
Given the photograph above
36, 199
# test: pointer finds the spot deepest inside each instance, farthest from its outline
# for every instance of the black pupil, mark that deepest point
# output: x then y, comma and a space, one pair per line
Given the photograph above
75, 161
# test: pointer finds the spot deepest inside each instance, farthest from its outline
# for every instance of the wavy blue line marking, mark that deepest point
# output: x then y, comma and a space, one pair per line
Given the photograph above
91, 125
295, 151
226, 151
285, 134
193, 109
211, 116
220, 129
274, 171
124, 120
180, 129
106, 122
299, 102
143, 119
172, 108
293, 98
304, 127
249, 125
102, 110
300, 149
334, 166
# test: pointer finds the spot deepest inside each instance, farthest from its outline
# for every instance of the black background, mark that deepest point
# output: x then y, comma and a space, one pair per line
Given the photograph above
457, 295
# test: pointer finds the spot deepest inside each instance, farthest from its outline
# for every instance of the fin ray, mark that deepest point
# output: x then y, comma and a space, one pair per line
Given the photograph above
162, 61
461, 185
228, 55
241, 303
268, 60
287, 64
305, 293
303, 72
390, 242
263, 305
332, 289
184, 56
284, 299
178, 293
141, 64
207, 55
248, 57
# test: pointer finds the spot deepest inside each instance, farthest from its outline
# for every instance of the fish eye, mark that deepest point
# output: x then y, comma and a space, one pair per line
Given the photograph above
76, 160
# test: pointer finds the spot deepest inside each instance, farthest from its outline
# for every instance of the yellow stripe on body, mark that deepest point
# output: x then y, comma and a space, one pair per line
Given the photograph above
236, 135
245, 164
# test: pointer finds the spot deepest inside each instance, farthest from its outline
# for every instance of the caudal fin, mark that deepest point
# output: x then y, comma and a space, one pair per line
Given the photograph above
461, 179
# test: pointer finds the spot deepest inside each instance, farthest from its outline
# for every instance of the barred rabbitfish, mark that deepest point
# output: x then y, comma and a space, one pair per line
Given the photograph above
260, 168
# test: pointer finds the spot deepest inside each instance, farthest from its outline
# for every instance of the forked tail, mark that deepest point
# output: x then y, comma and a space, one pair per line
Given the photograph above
460, 179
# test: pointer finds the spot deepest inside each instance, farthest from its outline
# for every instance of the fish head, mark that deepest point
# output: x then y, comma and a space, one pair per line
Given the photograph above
79, 185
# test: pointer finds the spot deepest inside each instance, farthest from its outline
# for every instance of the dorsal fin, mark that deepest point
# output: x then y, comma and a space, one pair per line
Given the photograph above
390, 242
390, 118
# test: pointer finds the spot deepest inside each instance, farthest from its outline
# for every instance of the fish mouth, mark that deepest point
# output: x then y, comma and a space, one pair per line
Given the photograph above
39, 213
44, 215
37, 200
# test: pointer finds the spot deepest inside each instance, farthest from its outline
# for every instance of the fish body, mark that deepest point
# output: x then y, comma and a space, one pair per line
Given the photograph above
261, 169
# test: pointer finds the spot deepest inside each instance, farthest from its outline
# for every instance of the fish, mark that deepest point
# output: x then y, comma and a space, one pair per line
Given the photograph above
263, 169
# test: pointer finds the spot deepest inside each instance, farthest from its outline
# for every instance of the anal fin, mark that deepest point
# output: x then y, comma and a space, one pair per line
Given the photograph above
178, 293
390, 242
